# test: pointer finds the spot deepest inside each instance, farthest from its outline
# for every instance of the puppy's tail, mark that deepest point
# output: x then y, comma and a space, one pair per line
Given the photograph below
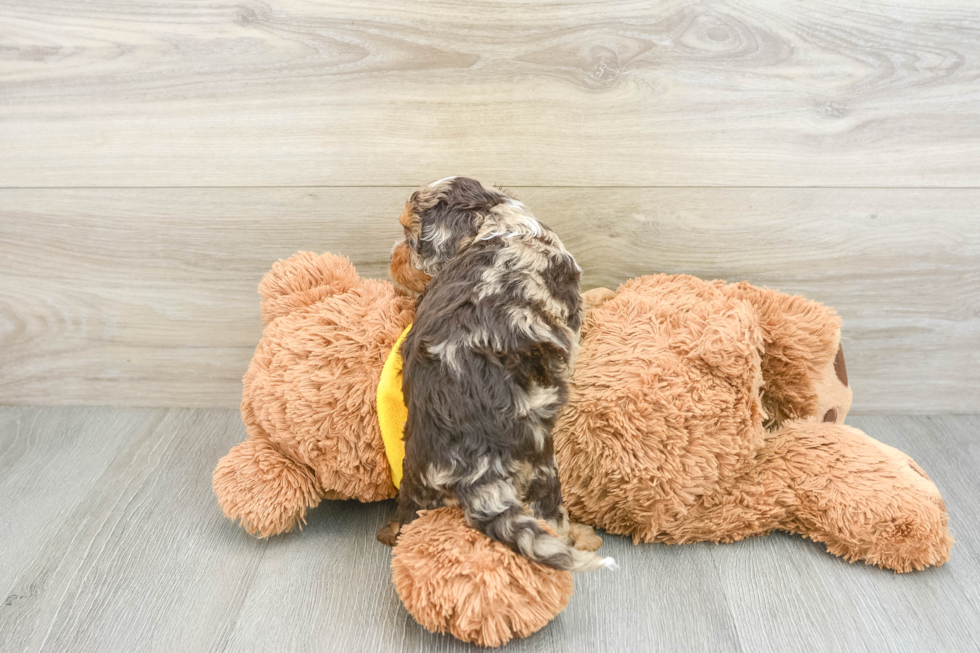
494, 510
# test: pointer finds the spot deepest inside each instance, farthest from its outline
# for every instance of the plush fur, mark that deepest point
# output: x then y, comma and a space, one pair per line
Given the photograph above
439, 560
697, 412
309, 395
710, 367
486, 368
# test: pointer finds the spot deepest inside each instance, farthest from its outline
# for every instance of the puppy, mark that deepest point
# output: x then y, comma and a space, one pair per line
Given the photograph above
486, 368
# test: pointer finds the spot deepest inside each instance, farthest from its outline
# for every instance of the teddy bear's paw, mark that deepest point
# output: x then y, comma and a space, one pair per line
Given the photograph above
919, 537
261, 488
913, 540
915, 545
905, 528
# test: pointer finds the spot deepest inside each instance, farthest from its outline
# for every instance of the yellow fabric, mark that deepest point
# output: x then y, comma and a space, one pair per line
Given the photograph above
392, 411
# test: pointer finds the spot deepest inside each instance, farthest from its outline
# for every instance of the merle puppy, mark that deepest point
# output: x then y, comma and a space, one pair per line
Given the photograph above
486, 367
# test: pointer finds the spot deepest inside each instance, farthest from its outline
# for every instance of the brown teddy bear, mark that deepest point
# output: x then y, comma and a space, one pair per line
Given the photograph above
699, 411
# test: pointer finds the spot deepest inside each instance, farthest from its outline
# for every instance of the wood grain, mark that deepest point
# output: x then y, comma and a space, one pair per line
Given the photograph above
40, 451
131, 553
134, 565
624, 93
148, 296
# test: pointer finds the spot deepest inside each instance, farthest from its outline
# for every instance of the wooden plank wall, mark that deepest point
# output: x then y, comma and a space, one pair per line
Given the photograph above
157, 156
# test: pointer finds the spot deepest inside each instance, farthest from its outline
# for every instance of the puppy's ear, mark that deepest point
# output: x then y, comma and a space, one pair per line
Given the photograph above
448, 227
410, 222
404, 273
446, 231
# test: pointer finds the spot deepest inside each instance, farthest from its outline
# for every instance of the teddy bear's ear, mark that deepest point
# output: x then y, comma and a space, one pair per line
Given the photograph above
596, 297
304, 279
798, 367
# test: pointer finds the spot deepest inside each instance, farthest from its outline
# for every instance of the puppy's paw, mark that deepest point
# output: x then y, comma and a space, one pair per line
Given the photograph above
583, 538
388, 534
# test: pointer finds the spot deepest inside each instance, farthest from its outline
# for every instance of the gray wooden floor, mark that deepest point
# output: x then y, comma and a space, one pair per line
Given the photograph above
110, 540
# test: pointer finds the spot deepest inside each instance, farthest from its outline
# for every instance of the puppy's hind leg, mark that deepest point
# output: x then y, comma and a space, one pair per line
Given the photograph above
388, 534
583, 537
408, 510
544, 497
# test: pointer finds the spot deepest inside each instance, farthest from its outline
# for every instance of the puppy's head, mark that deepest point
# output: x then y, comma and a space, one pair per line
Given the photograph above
440, 220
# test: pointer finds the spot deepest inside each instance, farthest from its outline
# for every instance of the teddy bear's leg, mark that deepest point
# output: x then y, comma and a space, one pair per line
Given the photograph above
863, 499
756, 502
267, 492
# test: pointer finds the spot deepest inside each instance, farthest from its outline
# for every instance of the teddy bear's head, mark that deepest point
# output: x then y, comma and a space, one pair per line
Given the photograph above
310, 389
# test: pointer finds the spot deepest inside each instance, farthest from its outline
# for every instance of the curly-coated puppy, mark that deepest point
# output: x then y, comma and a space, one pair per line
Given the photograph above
486, 366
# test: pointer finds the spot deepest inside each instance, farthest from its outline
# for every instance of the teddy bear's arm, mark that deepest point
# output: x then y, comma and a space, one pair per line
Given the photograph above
863, 499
